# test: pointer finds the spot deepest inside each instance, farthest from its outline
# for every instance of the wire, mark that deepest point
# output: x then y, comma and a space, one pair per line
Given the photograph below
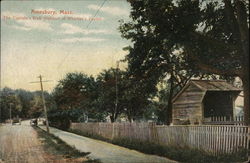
97, 12
59, 65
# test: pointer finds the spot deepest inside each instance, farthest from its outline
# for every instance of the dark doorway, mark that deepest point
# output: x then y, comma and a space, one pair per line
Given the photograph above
218, 103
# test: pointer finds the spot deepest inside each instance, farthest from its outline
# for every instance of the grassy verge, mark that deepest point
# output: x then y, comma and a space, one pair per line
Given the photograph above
57, 147
174, 153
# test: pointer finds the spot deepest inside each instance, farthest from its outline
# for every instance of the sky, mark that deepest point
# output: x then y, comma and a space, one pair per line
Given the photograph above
53, 38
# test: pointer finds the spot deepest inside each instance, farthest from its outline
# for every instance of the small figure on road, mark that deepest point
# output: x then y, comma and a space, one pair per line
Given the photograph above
33, 122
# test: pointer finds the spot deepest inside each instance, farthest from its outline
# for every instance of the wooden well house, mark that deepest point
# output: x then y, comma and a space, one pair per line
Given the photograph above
205, 102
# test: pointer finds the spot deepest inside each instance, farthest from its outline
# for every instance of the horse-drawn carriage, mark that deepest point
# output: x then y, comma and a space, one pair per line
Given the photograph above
16, 120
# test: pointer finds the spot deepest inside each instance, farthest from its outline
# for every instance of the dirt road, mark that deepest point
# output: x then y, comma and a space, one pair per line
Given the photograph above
20, 144
106, 152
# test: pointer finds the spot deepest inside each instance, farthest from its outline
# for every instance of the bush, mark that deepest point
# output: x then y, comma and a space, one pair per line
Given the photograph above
59, 119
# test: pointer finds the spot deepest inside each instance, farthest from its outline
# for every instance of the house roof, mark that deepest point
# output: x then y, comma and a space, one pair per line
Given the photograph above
209, 85
215, 85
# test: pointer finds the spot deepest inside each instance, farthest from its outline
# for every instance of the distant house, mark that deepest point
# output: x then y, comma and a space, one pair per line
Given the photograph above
205, 102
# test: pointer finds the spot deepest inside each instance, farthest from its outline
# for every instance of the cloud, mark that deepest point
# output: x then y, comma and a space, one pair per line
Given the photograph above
82, 15
21, 28
83, 39
35, 24
11, 14
24, 23
110, 10
72, 29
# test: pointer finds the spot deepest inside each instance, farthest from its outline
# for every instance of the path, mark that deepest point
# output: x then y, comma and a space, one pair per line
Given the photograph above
106, 152
19, 143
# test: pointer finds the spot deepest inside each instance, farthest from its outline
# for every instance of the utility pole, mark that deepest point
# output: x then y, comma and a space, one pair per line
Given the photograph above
116, 87
10, 113
0, 113
0, 103
44, 105
43, 99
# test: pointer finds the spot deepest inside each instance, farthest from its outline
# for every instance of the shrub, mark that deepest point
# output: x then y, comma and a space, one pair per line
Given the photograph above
59, 119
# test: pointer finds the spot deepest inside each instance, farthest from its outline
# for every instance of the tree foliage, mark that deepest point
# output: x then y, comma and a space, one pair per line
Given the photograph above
188, 39
24, 104
77, 92
109, 92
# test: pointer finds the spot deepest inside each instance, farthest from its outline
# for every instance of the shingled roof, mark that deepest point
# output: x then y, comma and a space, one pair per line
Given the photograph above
215, 85
209, 85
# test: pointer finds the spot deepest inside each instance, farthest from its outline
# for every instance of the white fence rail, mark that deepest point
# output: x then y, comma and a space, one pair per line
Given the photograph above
216, 139
224, 120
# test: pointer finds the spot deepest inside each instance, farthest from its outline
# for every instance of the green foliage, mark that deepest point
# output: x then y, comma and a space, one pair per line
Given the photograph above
59, 119
69, 93
77, 93
109, 81
201, 31
7, 98
136, 97
178, 40
24, 104
25, 100
83, 96
132, 95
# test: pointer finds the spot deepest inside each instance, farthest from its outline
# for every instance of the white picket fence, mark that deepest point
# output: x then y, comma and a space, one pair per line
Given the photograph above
216, 139
224, 120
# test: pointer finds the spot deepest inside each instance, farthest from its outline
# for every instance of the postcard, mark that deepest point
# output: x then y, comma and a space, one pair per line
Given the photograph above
123, 81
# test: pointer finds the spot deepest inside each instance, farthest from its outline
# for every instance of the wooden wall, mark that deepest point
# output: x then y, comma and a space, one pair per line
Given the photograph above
188, 106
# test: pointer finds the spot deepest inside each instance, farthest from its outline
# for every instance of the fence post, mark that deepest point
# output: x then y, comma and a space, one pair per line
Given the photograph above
154, 135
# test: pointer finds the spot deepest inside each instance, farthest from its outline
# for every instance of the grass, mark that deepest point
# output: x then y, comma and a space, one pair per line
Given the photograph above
55, 146
175, 153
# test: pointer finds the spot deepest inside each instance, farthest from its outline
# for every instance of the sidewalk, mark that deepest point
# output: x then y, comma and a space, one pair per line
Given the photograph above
106, 152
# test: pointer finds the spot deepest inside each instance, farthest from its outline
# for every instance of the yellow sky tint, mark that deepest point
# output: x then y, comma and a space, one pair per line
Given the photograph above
20, 66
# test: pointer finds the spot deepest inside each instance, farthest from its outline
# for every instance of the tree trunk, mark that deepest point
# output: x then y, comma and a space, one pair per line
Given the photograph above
169, 107
242, 19
246, 101
129, 116
245, 78
112, 118
129, 119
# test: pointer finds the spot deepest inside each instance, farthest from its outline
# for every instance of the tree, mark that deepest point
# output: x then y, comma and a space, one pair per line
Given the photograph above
68, 93
8, 97
135, 96
192, 37
36, 106
25, 104
25, 98
108, 100
119, 92
77, 92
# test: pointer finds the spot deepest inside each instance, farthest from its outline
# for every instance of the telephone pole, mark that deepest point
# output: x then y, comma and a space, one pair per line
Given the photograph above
43, 100
10, 113
116, 87
44, 105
